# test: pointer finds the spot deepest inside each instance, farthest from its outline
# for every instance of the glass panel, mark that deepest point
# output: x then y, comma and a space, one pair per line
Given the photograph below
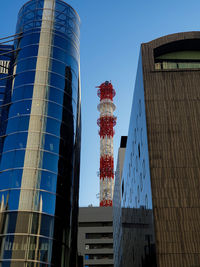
23, 92
26, 64
51, 143
15, 141
50, 162
26, 77
54, 110
48, 181
16, 247
20, 108
53, 126
57, 81
61, 55
30, 50
56, 95
58, 67
31, 38
34, 200
13, 159
10, 179
43, 252
15, 124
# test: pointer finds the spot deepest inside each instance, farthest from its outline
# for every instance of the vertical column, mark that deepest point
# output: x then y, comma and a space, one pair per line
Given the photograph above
33, 155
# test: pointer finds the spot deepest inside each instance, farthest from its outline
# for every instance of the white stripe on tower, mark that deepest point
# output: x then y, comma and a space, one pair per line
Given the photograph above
29, 199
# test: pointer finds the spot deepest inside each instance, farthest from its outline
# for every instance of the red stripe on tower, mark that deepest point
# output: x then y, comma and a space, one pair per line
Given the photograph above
106, 123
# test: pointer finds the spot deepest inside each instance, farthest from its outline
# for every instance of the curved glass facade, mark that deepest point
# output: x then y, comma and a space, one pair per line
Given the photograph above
39, 163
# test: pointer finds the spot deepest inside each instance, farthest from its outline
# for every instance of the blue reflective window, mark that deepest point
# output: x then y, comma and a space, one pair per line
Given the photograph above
7, 160
60, 17
48, 202
36, 220
58, 67
28, 26
2, 90
14, 159
53, 126
15, 124
24, 78
44, 250
48, 181
15, 141
50, 162
3, 82
62, 8
23, 92
57, 81
27, 51
20, 108
29, 16
11, 221
10, 179
26, 64
38, 14
38, 24
54, 110
10, 198
29, 6
6, 251
47, 225
30, 38
40, 4
60, 27
56, 95
51, 143
61, 55
43, 201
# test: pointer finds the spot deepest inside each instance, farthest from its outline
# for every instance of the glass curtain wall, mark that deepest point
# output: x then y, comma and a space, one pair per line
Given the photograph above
39, 163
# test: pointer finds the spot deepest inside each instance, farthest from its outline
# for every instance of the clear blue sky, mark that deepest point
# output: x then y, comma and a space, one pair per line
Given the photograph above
111, 34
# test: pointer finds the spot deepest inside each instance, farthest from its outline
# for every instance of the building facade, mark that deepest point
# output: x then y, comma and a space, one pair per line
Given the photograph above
160, 180
39, 162
117, 212
95, 236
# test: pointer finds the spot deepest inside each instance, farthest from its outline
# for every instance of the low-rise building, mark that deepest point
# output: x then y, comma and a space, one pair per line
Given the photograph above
95, 236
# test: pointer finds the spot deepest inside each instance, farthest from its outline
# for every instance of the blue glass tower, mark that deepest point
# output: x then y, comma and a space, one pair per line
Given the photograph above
40, 155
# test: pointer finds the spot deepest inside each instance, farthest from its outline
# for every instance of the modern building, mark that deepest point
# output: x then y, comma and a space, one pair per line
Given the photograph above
40, 139
117, 229
161, 175
95, 236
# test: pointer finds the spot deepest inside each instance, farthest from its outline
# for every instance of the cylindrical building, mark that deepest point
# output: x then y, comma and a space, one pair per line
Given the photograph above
106, 123
39, 164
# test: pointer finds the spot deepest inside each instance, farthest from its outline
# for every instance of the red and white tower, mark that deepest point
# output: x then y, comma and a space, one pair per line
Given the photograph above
106, 123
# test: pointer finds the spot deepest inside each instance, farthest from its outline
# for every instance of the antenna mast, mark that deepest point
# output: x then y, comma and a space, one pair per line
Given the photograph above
106, 122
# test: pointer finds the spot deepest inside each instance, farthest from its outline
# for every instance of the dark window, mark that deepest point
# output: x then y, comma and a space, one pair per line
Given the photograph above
139, 150
178, 60
98, 256
99, 246
94, 224
98, 235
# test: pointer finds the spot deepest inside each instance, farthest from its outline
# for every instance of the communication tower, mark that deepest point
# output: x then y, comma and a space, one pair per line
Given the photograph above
106, 122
